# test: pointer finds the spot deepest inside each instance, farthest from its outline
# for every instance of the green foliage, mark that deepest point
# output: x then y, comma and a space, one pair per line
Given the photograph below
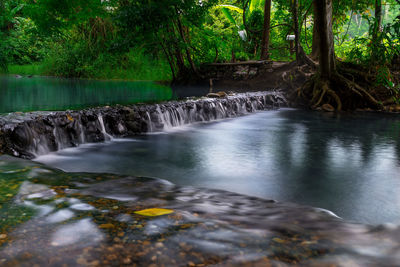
379, 51
72, 59
150, 39
56, 15
24, 44
3, 53
383, 78
168, 29
9, 12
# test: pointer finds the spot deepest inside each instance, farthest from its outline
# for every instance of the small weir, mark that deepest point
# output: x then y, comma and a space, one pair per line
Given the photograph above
29, 135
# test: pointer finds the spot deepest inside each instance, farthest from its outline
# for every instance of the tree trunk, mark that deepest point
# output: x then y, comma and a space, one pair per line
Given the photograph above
266, 30
315, 38
188, 55
327, 65
170, 60
296, 28
377, 28
378, 18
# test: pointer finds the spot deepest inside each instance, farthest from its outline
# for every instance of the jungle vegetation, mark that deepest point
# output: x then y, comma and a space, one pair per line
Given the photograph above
350, 44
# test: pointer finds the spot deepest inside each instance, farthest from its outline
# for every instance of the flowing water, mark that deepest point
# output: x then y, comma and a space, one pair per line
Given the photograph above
46, 93
348, 164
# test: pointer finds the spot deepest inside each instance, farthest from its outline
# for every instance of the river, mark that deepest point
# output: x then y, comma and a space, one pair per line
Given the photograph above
348, 164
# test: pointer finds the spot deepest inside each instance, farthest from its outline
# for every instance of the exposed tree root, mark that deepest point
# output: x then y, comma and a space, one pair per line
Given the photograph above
339, 91
324, 90
336, 98
351, 87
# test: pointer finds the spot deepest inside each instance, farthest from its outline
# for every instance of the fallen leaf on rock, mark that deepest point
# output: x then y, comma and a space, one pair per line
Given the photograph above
154, 212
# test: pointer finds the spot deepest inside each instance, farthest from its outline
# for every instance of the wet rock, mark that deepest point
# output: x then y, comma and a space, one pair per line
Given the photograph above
222, 94
213, 95
28, 135
219, 94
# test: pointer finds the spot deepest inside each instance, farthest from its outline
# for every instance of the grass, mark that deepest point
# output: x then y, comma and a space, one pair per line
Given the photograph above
148, 71
33, 69
134, 66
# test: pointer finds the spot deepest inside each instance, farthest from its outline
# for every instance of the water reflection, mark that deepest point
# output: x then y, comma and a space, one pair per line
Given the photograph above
348, 164
45, 93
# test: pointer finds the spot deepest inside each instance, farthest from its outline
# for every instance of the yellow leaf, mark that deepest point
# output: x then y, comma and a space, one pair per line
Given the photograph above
70, 118
154, 212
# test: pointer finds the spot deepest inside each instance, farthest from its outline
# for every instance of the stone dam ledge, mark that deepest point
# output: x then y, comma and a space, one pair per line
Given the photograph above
28, 135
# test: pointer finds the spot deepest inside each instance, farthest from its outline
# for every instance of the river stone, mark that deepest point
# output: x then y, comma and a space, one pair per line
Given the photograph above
213, 95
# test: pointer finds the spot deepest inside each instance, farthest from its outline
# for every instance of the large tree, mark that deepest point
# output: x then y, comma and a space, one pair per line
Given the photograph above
330, 84
326, 46
266, 30
315, 37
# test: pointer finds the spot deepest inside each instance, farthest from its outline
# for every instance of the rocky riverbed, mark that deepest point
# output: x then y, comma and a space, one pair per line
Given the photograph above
52, 218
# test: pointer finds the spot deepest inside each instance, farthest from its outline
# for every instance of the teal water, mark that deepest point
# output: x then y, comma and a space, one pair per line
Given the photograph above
46, 93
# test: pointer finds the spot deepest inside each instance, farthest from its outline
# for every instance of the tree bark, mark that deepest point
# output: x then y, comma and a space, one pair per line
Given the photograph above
188, 55
266, 30
296, 28
315, 38
327, 65
377, 28
378, 17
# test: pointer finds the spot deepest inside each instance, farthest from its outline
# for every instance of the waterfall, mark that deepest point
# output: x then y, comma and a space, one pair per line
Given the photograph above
106, 136
169, 115
37, 133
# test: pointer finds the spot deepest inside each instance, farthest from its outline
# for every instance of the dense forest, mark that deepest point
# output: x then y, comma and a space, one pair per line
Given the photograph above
170, 39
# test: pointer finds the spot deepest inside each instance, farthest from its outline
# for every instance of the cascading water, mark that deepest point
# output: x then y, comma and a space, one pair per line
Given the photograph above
107, 137
37, 133
167, 116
